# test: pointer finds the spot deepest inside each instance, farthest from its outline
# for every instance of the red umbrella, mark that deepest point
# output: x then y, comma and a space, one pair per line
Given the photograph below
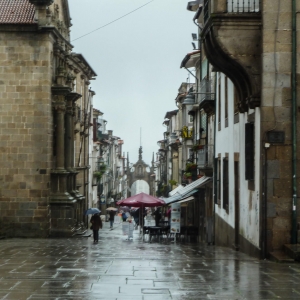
141, 200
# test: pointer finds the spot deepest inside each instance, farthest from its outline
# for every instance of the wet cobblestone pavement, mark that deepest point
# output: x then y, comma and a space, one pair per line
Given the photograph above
118, 269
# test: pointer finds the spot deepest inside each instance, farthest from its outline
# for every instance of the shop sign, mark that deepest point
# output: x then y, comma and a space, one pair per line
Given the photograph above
175, 218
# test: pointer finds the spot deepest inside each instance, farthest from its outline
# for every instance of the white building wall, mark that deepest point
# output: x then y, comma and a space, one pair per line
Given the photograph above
231, 140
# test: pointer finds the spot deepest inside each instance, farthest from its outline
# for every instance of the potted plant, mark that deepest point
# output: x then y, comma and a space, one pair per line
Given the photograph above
98, 175
172, 182
190, 167
197, 147
188, 175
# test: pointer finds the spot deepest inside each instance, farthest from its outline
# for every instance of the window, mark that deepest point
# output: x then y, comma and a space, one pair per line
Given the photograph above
226, 101
219, 182
203, 125
225, 184
236, 106
219, 104
249, 151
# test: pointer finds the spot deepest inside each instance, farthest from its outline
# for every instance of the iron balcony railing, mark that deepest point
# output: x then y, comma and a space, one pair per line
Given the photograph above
205, 157
172, 138
243, 6
206, 91
233, 6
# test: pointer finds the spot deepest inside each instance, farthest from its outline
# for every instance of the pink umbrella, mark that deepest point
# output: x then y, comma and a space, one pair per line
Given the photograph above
141, 200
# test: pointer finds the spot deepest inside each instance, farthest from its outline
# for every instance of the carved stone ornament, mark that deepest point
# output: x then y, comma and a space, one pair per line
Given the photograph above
41, 2
59, 107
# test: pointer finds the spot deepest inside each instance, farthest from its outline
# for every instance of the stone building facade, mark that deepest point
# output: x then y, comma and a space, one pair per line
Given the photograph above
45, 118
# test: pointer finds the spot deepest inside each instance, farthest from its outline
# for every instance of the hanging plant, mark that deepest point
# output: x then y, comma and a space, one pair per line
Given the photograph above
102, 168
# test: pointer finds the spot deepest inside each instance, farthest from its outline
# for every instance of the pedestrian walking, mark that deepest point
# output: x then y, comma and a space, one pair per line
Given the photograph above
157, 216
124, 216
96, 225
136, 215
111, 218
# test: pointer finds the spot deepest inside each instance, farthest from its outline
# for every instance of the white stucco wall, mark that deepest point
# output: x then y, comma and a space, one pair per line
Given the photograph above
231, 140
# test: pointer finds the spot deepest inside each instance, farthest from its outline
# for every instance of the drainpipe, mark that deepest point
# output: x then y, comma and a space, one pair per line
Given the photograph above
294, 122
215, 174
264, 252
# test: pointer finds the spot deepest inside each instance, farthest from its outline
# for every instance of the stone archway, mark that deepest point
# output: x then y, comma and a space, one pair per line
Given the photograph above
140, 186
140, 176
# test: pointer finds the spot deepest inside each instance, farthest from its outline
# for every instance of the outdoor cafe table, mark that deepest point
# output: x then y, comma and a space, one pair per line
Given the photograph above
154, 230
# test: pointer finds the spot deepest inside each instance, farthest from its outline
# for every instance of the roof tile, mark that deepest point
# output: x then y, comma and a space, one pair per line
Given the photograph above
16, 12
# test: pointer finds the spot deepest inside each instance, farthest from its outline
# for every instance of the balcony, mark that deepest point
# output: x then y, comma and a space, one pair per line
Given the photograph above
102, 135
207, 97
232, 42
205, 159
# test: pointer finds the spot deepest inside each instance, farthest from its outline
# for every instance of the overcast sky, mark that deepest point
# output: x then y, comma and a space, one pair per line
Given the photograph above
137, 60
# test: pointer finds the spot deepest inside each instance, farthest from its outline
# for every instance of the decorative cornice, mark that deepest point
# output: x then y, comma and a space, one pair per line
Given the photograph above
61, 90
41, 2
73, 96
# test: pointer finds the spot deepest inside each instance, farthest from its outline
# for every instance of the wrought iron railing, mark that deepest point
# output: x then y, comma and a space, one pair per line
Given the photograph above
243, 6
206, 91
233, 6
205, 157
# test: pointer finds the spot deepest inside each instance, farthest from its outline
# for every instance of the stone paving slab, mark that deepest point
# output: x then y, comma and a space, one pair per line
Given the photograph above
119, 269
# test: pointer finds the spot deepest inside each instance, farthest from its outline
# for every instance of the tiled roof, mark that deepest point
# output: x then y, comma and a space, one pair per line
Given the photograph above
16, 12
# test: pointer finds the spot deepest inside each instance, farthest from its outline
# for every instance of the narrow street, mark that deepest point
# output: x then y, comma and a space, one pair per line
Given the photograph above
118, 269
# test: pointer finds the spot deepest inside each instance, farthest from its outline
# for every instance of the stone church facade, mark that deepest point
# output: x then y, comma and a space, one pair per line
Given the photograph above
45, 120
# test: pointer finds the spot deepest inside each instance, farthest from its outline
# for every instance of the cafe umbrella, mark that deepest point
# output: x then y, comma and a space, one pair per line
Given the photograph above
142, 200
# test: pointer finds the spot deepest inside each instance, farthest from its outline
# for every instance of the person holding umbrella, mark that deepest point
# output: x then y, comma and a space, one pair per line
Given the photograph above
96, 225
112, 212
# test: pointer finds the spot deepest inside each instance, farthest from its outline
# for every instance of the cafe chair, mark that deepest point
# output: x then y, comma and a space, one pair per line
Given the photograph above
146, 232
154, 231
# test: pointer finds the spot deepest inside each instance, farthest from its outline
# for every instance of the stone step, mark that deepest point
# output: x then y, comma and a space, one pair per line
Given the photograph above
81, 232
281, 257
292, 250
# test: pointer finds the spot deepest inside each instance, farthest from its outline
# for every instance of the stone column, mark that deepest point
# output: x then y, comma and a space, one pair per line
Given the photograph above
70, 154
61, 202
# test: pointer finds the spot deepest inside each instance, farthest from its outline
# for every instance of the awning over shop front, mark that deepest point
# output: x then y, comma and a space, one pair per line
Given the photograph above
173, 192
188, 190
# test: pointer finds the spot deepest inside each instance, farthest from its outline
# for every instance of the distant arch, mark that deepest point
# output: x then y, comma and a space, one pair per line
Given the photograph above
140, 186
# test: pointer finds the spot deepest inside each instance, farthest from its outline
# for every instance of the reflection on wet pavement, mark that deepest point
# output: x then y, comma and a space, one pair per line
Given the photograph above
118, 269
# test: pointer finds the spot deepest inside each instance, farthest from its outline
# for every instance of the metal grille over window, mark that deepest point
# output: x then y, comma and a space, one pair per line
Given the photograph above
203, 121
206, 90
243, 6
234, 6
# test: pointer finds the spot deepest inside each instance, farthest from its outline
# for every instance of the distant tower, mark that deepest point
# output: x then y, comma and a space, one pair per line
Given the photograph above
139, 177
